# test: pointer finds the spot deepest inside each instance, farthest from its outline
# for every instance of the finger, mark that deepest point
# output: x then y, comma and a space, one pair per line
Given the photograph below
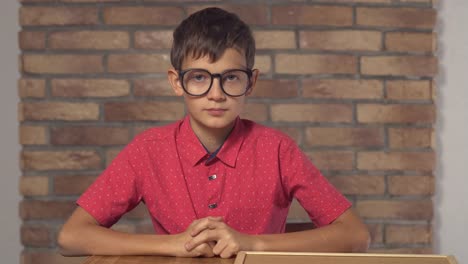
204, 224
215, 218
226, 254
212, 244
205, 250
193, 223
204, 237
201, 251
229, 251
220, 246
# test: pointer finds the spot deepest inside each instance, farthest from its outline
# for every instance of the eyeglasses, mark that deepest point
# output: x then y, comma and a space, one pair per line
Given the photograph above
198, 82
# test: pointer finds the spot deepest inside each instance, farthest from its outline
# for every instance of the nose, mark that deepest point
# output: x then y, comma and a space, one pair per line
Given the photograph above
216, 93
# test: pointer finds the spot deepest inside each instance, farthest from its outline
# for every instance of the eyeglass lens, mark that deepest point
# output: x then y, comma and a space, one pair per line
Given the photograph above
198, 81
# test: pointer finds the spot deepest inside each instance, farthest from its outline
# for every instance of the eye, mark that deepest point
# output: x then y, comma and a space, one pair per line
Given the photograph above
231, 77
199, 77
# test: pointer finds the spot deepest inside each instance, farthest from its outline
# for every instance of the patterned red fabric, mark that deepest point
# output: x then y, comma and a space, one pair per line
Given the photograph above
250, 182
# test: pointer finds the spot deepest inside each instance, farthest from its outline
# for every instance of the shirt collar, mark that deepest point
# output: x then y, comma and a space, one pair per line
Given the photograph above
192, 150
231, 147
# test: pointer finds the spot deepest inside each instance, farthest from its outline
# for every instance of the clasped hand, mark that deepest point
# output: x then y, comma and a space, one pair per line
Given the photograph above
210, 236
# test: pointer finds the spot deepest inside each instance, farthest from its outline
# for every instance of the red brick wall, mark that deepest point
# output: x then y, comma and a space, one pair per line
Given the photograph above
351, 81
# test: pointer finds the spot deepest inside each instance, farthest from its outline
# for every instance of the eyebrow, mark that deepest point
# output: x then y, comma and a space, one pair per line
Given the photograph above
224, 71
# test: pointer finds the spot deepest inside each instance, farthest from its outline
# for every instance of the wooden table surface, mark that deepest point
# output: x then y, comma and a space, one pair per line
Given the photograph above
281, 258
154, 260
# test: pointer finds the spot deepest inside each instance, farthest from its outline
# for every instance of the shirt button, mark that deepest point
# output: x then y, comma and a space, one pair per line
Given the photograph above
212, 206
212, 177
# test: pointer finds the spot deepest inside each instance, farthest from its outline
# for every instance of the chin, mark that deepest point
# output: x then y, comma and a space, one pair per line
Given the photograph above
219, 122
218, 125
214, 122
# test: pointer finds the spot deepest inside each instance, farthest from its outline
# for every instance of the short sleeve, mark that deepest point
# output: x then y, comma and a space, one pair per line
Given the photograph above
303, 181
115, 191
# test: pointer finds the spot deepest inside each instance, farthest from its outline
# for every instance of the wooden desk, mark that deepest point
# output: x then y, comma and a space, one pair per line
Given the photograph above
281, 258
154, 260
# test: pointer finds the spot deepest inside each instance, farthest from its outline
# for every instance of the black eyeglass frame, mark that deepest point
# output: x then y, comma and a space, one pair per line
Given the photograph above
249, 73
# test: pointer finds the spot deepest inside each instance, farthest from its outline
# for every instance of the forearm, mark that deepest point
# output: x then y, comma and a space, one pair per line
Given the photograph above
82, 235
325, 239
97, 240
346, 234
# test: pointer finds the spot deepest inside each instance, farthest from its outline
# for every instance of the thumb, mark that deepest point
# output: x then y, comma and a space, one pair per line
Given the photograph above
216, 218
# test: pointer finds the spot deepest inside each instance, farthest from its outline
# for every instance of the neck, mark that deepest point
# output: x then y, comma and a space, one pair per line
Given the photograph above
211, 138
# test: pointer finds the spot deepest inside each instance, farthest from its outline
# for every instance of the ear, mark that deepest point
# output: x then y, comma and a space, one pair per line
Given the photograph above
174, 81
253, 80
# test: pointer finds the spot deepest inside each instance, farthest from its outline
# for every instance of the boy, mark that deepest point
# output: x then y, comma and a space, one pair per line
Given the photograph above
214, 184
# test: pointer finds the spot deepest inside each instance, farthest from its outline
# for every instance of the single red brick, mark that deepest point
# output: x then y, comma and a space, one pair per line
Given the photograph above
60, 160
34, 185
152, 87
374, 160
419, 18
138, 63
36, 236
409, 90
395, 209
61, 64
85, 88
277, 39
359, 184
394, 113
315, 64
251, 14
312, 15
32, 40
161, 39
332, 160
72, 185
44, 210
361, 40
344, 136
29, 87
408, 234
89, 40
411, 185
311, 113
410, 41
33, 135
412, 137
88, 135
342, 89
399, 65
132, 111
255, 112
142, 15
59, 111
275, 88
58, 16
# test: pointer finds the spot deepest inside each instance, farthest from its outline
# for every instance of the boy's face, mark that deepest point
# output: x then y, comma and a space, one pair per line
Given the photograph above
215, 109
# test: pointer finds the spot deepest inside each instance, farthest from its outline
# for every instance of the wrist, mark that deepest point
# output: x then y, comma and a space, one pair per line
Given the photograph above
170, 246
257, 243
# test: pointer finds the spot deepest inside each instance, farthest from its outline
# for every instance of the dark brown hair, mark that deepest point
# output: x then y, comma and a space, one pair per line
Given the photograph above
210, 32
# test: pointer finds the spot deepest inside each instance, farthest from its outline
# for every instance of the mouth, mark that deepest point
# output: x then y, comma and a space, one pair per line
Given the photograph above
216, 111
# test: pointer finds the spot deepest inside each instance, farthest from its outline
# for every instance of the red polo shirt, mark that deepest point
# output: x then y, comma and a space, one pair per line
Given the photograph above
250, 182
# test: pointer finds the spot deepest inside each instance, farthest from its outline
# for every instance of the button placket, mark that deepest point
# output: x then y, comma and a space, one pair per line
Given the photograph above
214, 184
